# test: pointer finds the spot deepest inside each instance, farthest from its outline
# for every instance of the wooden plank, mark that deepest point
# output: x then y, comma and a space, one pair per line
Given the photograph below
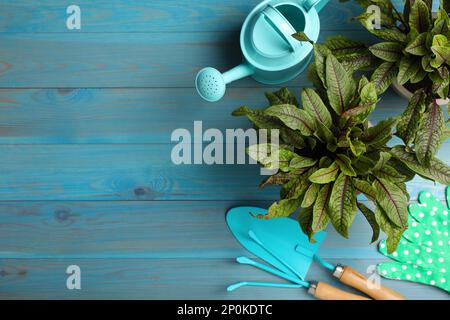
165, 279
141, 229
163, 60
129, 172
48, 116
150, 16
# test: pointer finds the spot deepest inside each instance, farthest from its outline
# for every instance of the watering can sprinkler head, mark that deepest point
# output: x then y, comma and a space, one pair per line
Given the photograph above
211, 84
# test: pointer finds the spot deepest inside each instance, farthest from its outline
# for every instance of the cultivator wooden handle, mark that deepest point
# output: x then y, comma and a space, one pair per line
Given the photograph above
354, 279
324, 291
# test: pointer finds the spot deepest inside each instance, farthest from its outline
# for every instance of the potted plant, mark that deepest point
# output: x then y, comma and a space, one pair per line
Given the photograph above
328, 154
415, 49
414, 57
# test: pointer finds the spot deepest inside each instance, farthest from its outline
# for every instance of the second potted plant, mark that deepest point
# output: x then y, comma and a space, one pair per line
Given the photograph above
413, 56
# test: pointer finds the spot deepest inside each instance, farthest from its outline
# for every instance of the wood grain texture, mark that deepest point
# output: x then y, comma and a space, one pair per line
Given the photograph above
66, 116
85, 171
129, 172
165, 279
144, 229
150, 16
163, 60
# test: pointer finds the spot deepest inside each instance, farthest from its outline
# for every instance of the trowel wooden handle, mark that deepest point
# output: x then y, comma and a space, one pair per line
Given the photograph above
324, 291
356, 280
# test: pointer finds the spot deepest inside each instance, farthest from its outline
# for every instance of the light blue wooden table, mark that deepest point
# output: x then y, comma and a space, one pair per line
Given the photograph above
85, 173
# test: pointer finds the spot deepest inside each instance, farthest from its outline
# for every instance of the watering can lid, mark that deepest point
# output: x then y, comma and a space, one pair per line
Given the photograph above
272, 34
266, 37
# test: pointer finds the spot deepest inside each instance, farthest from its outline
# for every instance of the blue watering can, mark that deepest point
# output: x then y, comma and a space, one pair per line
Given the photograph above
271, 55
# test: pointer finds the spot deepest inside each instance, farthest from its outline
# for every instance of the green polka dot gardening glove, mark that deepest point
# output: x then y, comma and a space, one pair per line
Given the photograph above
423, 254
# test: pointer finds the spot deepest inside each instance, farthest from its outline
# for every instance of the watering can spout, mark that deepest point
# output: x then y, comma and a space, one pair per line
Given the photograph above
237, 73
316, 4
211, 84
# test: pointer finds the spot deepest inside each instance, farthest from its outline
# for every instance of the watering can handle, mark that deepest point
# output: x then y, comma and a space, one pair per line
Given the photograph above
282, 26
317, 4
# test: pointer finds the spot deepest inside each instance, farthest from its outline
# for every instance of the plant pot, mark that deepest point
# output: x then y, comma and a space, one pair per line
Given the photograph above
404, 92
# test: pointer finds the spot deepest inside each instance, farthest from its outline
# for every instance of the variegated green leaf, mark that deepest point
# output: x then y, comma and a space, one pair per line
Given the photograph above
446, 134
390, 174
426, 63
402, 168
345, 164
385, 34
443, 72
293, 117
370, 217
358, 61
387, 51
295, 188
282, 96
314, 105
262, 152
407, 69
419, 76
325, 175
393, 201
271, 156
301, 36
441, 81
442, 55
291, 137
282, 208
420, 18
409, 121
389, 34
369, 98
341, 46
324, 134
320, 209
365, 188
380, 133
441, 25
310, 195
418, 46
257, 117
393, 232
383, 76
357, 147
436, 171
320, 56
402, 186
342, 204
341, 87
305, 219
276, 179
298, 162
439, 40
429, 135
382, 160
316, 81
